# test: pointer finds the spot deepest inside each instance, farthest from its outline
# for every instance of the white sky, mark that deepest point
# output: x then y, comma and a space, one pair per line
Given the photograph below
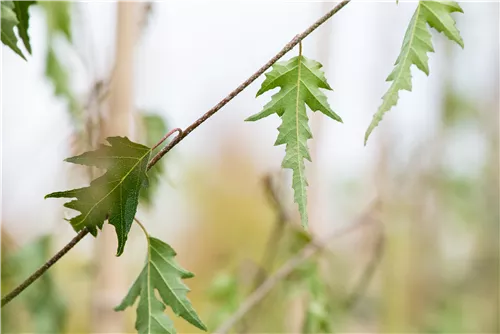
192, 54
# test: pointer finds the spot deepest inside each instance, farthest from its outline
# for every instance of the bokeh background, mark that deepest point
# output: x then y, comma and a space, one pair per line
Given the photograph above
427, 182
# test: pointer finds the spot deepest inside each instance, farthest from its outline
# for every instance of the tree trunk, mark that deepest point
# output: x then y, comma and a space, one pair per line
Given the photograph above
109, 285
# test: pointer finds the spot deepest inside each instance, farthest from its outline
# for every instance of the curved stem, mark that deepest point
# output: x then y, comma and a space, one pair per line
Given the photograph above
142, 228
165, 137
30, 280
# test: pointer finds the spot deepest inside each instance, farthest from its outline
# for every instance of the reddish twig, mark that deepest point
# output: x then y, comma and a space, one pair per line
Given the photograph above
160, 154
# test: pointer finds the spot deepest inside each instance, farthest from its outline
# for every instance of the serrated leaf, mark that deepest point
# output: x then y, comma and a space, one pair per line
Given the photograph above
300, 80
22, 13
9, 21
155, 128
416, 44
114, 195
161, 273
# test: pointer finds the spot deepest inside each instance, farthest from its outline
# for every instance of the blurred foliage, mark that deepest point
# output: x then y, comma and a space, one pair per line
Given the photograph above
41, 303
458, 109
225, 295
154, 128
58, 18
58, 15
318, 313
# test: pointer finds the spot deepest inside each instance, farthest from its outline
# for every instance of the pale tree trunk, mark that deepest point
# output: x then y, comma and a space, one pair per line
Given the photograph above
109, 285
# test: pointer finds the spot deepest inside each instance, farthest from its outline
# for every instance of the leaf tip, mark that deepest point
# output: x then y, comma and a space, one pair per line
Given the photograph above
120, 249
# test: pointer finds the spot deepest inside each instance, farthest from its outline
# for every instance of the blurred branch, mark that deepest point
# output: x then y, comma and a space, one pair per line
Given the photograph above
308, 251
367, 275
288, 268
275, 236
273, 241
30, 280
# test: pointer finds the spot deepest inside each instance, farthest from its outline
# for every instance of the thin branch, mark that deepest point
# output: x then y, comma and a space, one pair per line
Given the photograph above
288, 268
289, 46
166, 136
30, 280
164, 150
183, 134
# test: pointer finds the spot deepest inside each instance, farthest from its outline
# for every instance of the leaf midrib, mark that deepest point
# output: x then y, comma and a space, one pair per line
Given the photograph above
406, 57
112, 190
165, 281
297, 131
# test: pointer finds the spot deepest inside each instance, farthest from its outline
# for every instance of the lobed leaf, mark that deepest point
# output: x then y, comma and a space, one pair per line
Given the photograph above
300, 80
22, 13
161, 273
8, 22
416, 44
114, 195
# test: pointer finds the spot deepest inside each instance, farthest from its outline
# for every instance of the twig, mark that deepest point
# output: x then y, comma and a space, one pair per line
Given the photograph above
284, 271
164, 150
290, 45
165, 138
30, 280
183, 134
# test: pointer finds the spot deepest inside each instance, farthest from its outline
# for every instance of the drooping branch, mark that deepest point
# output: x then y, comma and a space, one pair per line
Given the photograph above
181, 135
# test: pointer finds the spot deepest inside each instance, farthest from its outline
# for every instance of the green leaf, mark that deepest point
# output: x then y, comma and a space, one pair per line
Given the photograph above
300, 80
226, 296
155, 128
58, 74
161, 273
318, 314
114, 195
58, 17
416, 44
9, 21
22, 13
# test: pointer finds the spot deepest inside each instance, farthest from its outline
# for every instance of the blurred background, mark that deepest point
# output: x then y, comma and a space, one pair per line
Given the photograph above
426, 184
